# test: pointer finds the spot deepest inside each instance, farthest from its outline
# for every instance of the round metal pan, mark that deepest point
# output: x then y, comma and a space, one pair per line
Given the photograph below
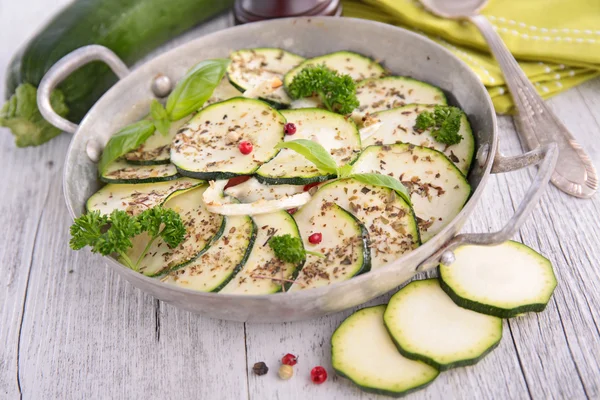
403, 52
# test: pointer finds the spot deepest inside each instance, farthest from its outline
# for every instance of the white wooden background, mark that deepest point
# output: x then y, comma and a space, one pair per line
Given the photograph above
71, 329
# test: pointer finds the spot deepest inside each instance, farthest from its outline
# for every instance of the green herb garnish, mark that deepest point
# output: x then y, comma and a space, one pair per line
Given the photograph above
336, 91
444, 123
190, 93
112, 234
320, 157
290, 249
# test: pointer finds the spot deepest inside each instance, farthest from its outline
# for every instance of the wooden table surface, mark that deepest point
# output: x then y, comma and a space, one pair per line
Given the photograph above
72, 329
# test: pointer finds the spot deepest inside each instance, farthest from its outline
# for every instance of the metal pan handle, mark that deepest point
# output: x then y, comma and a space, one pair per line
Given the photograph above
546, 155
63, 68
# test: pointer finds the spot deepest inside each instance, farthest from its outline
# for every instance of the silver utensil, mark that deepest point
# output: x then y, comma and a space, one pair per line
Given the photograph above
536, 123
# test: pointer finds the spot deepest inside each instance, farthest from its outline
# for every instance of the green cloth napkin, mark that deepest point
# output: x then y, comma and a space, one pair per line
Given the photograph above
556, 42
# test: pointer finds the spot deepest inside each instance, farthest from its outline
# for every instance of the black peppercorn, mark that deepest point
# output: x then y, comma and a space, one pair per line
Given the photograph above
260, 368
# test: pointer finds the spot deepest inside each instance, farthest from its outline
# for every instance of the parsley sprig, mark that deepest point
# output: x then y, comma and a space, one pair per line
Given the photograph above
336, 91
112, 234
444, 123
290, 249
320, 157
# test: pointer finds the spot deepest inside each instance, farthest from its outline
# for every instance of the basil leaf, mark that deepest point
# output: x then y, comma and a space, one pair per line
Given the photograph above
125, 140
344, 171
313, 152
384, 181
192, 91
160, 117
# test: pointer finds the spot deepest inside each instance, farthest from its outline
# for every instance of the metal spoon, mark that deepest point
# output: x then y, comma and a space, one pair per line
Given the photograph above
536, 123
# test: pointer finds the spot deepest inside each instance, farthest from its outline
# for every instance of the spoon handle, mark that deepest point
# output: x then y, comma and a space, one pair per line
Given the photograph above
536, 123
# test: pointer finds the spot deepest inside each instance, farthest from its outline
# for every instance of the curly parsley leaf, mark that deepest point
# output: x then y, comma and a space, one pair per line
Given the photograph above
336, 91
444, 123
113, 234
288, 248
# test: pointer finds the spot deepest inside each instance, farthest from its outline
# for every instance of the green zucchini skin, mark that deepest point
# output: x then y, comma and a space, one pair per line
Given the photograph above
130, 28
383, 392
443, 367
297, 180
146, 180
488, 308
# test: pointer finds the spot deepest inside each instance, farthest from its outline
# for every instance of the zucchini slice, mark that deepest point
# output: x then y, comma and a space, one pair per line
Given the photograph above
224, 91
389, 220
207, 147
345, 245
122, 172
212, 270
261, 71
339, 136
438, 190
504, 280
135, 198
396, 126
394, 91
363, 351
252, 190
263, 271
156, 150
202, 229
427, 326
356, 65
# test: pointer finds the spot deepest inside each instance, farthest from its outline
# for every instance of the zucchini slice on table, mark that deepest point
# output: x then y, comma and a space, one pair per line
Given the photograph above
362, 351
359, 67
427, 326
122, 172
263, 272
252, 190
208, 146
212, 270
397, 126
135, 198
261, 72
224, 91
394, 91
438, 190
335, 133
202, 229
155, 150
344, 243
504, 280
389, 220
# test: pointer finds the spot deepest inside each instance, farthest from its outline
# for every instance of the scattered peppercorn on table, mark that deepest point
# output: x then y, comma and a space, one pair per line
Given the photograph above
70, 328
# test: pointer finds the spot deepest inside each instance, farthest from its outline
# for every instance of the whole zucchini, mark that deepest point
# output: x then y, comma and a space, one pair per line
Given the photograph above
130, 28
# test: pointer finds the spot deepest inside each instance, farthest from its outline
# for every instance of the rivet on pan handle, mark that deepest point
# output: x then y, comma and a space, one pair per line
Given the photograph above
63, 68
548, 156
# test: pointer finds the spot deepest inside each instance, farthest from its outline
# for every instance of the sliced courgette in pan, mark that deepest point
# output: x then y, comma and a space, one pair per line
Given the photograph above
438, 190
362, 351
389, 219
122, 172
427, 326
261, 71
394, 91
135, 198
344, 243
212, 270
356, 65
208, 146
224, 91
202, 229
263, 272
252, 190
397, 126
335, 133
156, 150
504, 280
